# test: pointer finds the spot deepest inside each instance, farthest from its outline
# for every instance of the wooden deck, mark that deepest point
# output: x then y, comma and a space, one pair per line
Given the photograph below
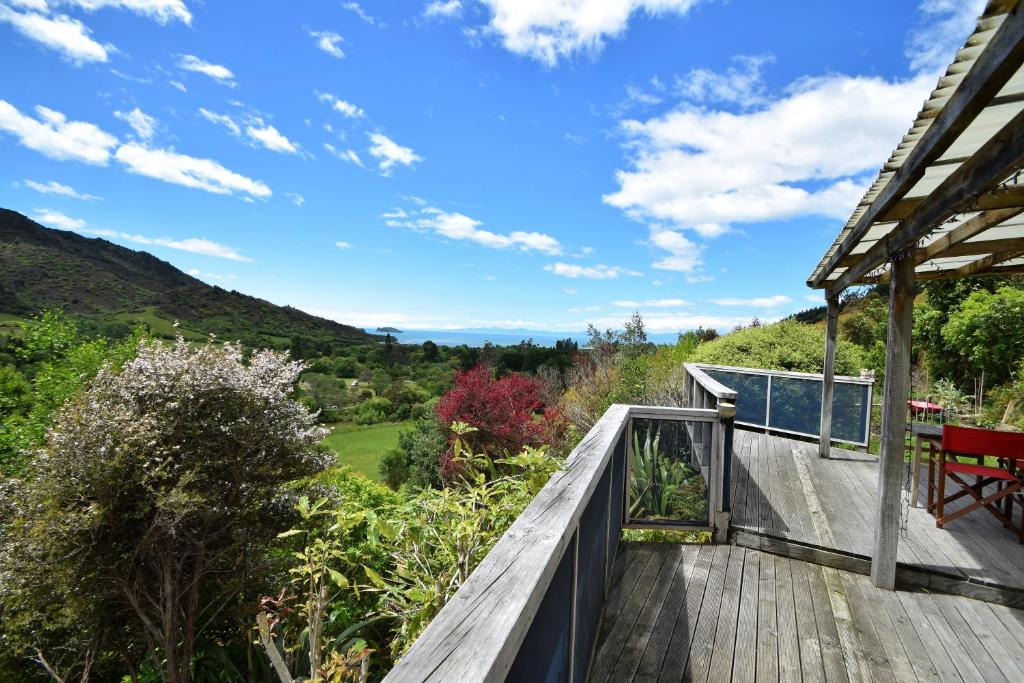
723, 612
784, 495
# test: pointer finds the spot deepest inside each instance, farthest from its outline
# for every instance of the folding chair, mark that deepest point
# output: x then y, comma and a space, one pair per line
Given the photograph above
963, 442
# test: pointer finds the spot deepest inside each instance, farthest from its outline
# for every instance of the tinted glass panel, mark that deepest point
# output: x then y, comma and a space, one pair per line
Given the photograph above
666, 484
850, 412
796, 405
751, 394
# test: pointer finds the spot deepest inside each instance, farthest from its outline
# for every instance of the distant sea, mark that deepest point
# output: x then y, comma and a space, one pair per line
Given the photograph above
499, 337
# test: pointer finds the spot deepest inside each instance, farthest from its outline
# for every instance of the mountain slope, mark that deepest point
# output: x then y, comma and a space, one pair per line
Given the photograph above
91, 277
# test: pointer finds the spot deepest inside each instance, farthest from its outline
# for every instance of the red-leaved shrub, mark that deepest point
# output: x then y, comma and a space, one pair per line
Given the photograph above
503, 411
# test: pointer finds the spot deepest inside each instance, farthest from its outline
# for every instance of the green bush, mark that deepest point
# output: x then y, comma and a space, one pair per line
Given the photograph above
417, 460
786, 345
373, 411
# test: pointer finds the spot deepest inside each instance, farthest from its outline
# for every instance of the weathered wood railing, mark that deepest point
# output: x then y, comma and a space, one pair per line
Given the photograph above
531, 609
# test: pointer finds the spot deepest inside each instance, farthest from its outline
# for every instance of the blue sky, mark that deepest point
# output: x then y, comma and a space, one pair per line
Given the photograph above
534, 164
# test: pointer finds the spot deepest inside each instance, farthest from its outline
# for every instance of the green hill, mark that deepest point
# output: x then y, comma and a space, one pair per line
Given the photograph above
96, 280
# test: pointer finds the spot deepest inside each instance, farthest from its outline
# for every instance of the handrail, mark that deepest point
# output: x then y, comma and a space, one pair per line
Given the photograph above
531, 609
709, 383
850, 379
478, 634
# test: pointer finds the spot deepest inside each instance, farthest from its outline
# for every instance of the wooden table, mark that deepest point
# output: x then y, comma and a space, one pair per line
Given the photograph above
923, 433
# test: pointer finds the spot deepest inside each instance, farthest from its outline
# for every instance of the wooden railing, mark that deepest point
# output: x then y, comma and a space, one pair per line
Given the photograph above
531, 609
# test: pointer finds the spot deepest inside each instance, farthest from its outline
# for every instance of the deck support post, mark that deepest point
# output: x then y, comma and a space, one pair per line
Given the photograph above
894, 407
829, 373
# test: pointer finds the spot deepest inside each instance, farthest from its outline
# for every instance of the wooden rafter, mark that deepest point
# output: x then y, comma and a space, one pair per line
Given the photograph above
990, 165
996, 64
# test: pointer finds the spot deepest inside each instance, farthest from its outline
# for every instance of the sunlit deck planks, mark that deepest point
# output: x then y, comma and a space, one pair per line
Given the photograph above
782, 491
725, 612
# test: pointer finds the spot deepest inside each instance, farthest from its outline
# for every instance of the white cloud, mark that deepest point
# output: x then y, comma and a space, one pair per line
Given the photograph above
58, 32
54, 136
443, 9
457, 226
678, 322
683, 254
652, 303
343, 245
391, 153
177, 85
571, 291
217, 72
143, 124
55, 188
348, 155
180, 169
595, 272
297, 199
329, 42
195, 272
161, 11
221, 120
342, 106
271, 138
194, 245
698, 168
359, 11
931, 48
756, 302
56, 219
741, 84
548, 30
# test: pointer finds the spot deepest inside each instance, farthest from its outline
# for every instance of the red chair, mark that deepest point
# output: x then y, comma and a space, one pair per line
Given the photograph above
1006, 447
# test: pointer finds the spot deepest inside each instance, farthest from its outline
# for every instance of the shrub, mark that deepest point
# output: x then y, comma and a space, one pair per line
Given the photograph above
786, 345
417, 459
153, 497
501, 411
373, 411
988, 331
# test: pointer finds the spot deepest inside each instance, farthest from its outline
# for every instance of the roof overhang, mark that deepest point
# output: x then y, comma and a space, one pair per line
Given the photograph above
952, 192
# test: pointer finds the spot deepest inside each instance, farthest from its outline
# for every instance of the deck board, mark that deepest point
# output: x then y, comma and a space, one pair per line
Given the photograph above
789, 493
722, 613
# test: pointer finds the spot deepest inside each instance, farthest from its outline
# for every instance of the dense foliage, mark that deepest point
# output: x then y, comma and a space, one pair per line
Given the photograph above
150, 502
787, 345
52, 362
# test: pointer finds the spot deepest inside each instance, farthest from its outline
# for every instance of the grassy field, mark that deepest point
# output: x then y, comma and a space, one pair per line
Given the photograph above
361, 447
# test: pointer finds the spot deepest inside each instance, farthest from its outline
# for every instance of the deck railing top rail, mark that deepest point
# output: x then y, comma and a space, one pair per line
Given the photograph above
709, 383
530, 610
849, 379
476, 636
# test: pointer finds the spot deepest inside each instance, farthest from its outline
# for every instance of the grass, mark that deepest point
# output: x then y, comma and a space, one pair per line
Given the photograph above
161, 327
362, 446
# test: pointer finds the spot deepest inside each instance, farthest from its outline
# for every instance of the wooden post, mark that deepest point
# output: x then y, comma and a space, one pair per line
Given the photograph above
894, 408
829, 373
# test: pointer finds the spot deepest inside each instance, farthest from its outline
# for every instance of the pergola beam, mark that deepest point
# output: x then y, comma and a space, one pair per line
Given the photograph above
999, 198
1002, 154
980, 248
944, 246
996, 64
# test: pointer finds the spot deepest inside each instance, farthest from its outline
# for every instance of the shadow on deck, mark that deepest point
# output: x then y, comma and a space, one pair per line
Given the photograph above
787, 500
721, 613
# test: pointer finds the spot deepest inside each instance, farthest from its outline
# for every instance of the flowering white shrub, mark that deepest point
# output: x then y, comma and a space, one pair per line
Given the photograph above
152, 503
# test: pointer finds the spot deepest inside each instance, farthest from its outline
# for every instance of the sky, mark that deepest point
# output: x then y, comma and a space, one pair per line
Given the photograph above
520, 164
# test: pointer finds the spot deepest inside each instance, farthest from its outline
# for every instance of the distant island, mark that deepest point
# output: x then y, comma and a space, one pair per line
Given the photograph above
389, 330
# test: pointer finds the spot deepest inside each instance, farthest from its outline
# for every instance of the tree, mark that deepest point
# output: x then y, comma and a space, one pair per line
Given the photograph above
988, 331
429, 351
154, 495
